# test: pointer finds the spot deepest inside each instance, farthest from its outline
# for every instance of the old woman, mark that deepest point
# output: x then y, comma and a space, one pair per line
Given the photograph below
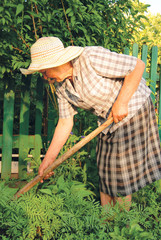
107, 84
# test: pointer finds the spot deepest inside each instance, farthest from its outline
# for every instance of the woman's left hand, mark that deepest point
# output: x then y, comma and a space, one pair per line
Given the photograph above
119, 111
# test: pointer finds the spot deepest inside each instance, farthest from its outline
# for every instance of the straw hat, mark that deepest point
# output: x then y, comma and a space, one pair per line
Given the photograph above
48, 52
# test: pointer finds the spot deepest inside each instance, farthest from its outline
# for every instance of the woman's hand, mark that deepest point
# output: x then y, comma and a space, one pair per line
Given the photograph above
119, 111
45, 164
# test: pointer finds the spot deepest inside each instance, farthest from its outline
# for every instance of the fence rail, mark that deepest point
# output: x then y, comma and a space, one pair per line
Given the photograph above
23, 141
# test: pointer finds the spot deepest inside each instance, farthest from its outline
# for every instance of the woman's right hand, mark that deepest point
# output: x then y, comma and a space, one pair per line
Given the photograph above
44, 165
119, 111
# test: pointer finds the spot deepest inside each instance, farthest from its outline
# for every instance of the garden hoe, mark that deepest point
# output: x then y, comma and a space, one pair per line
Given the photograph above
64, 157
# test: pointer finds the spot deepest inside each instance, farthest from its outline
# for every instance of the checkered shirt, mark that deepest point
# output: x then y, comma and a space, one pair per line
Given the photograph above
98, 75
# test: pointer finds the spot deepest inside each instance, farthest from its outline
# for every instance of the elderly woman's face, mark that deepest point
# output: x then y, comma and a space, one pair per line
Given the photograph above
58, 74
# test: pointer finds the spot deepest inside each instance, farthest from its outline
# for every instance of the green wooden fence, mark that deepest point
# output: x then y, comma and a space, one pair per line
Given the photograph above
24, 141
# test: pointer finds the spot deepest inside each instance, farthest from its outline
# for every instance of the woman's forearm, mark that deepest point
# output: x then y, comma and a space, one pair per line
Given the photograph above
131, 83
61, 134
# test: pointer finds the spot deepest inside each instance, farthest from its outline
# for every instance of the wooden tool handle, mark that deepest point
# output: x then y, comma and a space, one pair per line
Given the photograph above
64, 157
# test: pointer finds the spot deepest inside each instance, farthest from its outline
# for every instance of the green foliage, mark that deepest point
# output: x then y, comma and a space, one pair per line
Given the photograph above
34, 161
65, 209
150, 33
66, 206
84, 122
107, 23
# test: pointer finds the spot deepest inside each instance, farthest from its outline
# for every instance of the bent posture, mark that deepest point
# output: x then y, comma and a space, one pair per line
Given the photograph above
108, 84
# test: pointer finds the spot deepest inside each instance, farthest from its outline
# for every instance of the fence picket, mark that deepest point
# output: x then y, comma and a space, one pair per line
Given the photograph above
52, 117
153, 71
126, 51
135, 50
38, 119
7, 138
24, 124
144, 58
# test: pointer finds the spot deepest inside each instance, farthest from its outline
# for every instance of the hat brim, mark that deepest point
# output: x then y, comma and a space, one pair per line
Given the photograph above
66, 55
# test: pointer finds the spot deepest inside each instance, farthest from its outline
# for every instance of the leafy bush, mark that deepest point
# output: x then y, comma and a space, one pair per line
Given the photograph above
107, 23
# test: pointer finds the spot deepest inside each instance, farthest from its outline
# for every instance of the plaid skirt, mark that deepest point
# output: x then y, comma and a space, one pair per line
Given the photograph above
130, 158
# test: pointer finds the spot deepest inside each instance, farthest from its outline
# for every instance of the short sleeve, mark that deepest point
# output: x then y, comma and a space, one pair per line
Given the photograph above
66, 109
110, 64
